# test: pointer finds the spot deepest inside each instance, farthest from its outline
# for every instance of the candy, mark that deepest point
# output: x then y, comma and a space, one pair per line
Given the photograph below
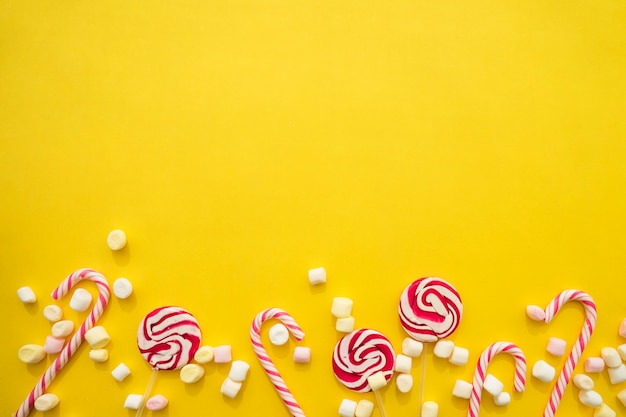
543, 371
53, 313
622, 396
361, 354
204, 354
120, 372
230, 388
26, 295
504, 398
364, 408
590, 398
443, 349
462, 389
412, 347
404, 382
583, 382
238, 371
535, 313
611, 357
622, 328
222, 354
157, 402
347, 408
430, 409
191, 373
302, 354
376, 381
618, 374
604, 411
459, 356
345, 324
594, 364
317, 276
99, 355
556, 346
493, 385
46, 402
403, 363
133, 401
116, 240
621, 350
342, 307
81, 300
122, 288
31, 353
279, 335
97, 337
62, 328
53, 344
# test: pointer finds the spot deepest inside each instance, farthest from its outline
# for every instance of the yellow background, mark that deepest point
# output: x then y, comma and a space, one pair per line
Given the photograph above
241, 143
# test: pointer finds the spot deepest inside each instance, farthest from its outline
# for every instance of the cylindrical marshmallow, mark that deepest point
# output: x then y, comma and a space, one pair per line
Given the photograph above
411, 347
622, 396
604, 411
156, 402
122, 288
535, 313
556, 346
347, 408
493, 385
53, 344
459, 356
81, 300
403, 363
594, 364
364, 408
404, 382
204, 354
590, 398
52, 313
583, 381
97, 337
99, 355
116, 240
621, 349
62, 328
26, 295
31, 353
191, 373
230, 388
622, 328
342, 307
302, 354
345, 324
611, 357
317, 276
443, 349
120, 372
430, 409
222, 354
238, 371
279, 334
504, 398
543, 371
617, 375
377, 381
133, 401
46, 402
462, 389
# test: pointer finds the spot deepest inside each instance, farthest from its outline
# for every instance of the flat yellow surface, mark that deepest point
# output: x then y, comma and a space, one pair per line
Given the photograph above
241, 143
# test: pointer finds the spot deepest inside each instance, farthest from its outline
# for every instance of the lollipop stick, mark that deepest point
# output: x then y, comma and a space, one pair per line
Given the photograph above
379, 401
147, 392
423, 381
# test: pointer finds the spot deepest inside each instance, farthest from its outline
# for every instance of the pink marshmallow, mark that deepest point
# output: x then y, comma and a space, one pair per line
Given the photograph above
594, 364
622, 328
302, 354
556, 346
536, 313
222, 354
53, 344
157, 402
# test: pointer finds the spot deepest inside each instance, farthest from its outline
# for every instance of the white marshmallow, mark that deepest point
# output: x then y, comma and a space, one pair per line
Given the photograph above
99, 355
26, 295
583, 382
317, 276
342, 307
403, 363
81, 300
191, 373
622, 328
279, 334
222, 354
364, 408
535, 313
116, 240
462, 389
53, 344
238, 371
459, 356
156, 402
62, 328
204, 354
594, 364
412, 348
556, 346
31, 353
604, 411
345, 324
443, 348
621, 349
430, 409
347, 408
493, 385
543, 371
590, 398
404, 382
622, 396
377, 381
120, 372
122, 288
52, 313
302, 354
611, 357
46, 402
97, 337
230, 388
617, 375
504, 398
133, 401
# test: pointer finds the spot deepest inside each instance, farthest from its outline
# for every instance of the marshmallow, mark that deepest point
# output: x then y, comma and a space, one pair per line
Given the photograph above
191, 373
97, 337
302, 354
122, 288
411, 347
31, 353
622, 396
204, 354
99, 355
53, 313
404, 382
556, 346
543, 371
583, 382
342, 307
493, 385
364, 408
443, 348
26, 295
594, 364
156, 402
604, 411
317, 276
62, 328
430, 409
238, 371
590, 398
53, 344
621, 349
120, 372
403, 363
133, 401
230, 388
81, 300
279, 334
611, 357
617, 375
377, 381
347, 408
459, 356
222, 354
504, 398
116, 240
46, 402
536, 313
345, 324
622, 328
462, 389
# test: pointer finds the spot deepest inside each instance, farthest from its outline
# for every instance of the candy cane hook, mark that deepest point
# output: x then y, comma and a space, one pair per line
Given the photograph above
519, 380
266, 362
77, 339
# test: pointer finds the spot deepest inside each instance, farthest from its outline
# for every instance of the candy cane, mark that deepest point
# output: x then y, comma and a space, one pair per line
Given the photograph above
76, 340
519, 380
266, 362
583, 338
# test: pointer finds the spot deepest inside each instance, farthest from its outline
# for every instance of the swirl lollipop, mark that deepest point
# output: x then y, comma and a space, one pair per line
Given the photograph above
167, 338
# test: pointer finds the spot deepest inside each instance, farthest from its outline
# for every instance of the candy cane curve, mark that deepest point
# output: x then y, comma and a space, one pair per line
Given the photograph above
78, 337
519, 380
266, 362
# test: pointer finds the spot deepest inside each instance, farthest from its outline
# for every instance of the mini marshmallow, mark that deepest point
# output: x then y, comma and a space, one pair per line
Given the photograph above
31, 353
156, 402
191, 373
617, 375
622, 328
222, 354
122, 288
403, 363
611, 357
535, 313
622, 396
26, 295
412, 348
377, 381
133, 401
81, 300
53, 344
120, 372
345, 324
99, 355
317, 276
404, 382
302, 354
462, 389
204, 354
556, 346
493, 385
443, 349
364, 408
46, 402
116, 240
279, 334
590, 398
238, 371
459, 356
347, 408
594, 364
543, 371
97, 337
62, 328
621, 349
342, 307
430, 409
503, 399
53, 313
604, 411
230, 388
583, 381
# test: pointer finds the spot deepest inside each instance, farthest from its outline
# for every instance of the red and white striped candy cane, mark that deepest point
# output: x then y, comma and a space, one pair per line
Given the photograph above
76, 340
519, 381
266, 362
